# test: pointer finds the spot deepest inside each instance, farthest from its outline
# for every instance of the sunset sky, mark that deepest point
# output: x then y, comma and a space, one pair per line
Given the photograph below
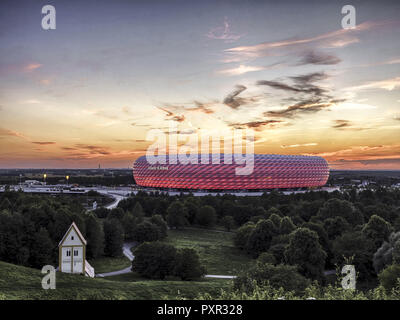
88, 92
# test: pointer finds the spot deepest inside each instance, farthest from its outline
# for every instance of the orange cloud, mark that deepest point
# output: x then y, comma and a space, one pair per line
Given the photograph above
32, 66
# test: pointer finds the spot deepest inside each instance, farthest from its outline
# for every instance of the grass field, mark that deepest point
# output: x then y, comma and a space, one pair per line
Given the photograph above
17, 282
216, 252
107, 264
216, 249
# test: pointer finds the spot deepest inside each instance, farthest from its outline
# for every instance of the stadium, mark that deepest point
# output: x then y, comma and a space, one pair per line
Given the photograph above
271, 171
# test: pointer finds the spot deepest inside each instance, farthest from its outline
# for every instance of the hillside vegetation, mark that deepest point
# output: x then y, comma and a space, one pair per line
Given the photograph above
17, 282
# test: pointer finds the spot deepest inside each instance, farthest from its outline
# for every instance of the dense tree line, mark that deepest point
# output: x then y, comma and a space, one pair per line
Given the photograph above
31, 227
307, 233
313, 231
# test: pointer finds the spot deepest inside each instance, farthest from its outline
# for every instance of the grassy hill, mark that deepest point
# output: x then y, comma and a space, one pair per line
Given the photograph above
17, 282
215, 248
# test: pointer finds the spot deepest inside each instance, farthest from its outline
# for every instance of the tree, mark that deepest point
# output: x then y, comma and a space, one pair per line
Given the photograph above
41, 249
206, 216
388, 253
116, 213
278, 250
335, 227
154, 260
228, 222
94, 237
341, 208
242, 214
242, 235
146, 231
176, 215
162, 226
307, 209
356, 246
305, 251
280, 276
273, 210
113, 237
276, 222
138, 212
286, 226
188, 266
378, 230
191, 209
129, 224
390, 277
5, 204
62, 221
322, 235
101, 212
260, 238
266, 257
79, 221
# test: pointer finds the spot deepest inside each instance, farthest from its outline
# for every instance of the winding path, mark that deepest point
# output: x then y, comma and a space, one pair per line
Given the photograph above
126, 250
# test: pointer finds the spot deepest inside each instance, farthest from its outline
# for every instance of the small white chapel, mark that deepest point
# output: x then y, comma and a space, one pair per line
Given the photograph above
72, 253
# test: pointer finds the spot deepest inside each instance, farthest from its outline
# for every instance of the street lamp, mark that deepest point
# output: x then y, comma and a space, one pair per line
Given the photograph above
44, 178
67, 177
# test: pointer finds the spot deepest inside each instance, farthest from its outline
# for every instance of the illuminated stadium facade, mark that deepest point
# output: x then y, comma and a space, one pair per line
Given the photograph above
270, 171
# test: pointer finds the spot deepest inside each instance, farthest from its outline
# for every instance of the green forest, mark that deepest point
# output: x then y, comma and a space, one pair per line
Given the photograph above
293, 246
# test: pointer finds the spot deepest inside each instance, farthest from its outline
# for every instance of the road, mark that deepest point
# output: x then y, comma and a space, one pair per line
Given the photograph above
126, 250
218, 276
117, 198
125, 191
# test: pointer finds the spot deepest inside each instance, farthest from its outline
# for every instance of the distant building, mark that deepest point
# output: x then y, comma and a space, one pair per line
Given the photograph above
31, 183
72, 253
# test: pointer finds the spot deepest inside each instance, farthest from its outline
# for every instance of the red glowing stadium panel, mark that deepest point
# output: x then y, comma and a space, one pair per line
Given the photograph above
270, 171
